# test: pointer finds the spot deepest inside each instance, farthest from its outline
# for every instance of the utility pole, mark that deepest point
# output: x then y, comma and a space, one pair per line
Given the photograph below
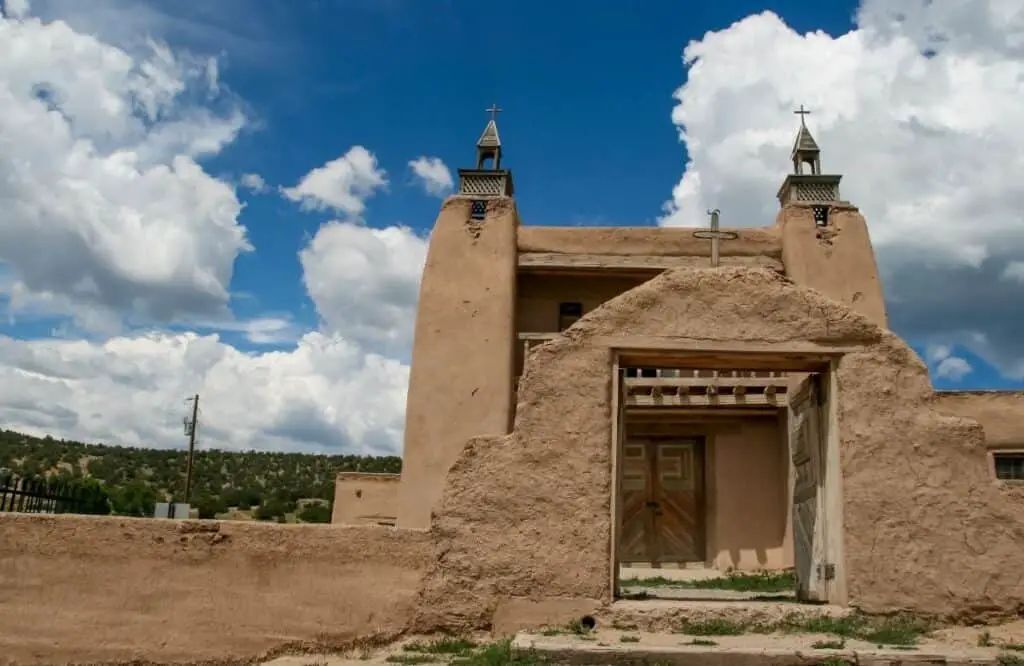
190, 430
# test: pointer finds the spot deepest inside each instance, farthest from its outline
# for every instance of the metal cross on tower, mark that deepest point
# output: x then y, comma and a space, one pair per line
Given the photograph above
714, 234
802, 112
494, 111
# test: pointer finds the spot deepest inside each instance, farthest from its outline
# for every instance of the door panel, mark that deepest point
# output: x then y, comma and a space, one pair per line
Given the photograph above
806, 446
662, 486
679, 521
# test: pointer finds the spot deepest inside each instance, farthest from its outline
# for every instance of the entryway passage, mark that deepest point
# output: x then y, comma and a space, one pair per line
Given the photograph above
721, 480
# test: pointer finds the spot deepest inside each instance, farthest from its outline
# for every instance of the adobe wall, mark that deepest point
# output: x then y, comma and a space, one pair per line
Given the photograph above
461, 381
1000, 413
365, 499
647, 241
525, 517
748, 498
92, 589
837, 260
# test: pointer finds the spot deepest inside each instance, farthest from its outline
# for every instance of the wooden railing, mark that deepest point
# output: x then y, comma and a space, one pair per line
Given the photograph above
653, 387
705, 388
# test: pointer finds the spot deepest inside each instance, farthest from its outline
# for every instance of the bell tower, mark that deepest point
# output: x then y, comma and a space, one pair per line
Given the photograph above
487, 179
807, 184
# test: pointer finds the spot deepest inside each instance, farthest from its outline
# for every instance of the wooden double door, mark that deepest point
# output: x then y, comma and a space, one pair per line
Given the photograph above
662, 501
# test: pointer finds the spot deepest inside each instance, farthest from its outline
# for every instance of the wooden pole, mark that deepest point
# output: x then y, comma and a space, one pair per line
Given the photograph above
191, 447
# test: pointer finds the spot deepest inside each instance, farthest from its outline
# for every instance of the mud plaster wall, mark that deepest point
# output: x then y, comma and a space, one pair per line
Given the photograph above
97, 589
527, 514
748, 499
461, 380
649, 241
365, 499
837, 260
1000, 413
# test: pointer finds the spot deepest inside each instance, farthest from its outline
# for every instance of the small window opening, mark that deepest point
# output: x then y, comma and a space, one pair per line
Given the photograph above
478, 211
820, 216
1009, 466
568, 314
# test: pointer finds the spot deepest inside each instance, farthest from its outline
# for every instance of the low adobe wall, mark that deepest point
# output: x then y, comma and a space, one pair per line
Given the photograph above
88, 589
525, 517
1000, 413
365, 499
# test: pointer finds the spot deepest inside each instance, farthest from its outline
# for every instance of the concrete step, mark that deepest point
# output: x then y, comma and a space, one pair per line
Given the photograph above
607, 647
665, 615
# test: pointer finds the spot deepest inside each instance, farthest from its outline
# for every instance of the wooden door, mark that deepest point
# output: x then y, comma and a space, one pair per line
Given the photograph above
662, 501
806, 446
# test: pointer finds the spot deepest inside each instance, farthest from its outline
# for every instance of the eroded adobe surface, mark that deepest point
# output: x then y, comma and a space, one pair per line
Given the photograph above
526, 515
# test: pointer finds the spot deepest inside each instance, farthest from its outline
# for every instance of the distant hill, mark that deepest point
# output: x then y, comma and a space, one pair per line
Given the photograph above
225, 484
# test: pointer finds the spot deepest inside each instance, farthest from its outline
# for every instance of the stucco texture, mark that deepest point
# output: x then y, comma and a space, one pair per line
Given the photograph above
94, 589
528, 514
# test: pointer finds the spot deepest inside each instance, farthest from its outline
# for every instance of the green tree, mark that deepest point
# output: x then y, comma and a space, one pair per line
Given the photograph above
315, 512
134, 499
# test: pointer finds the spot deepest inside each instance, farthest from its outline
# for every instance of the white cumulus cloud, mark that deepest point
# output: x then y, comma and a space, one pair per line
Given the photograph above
433, 175
15, 8
107, 219
918, 108
105, 212
253, 182
365, 282
342, 185
325, 395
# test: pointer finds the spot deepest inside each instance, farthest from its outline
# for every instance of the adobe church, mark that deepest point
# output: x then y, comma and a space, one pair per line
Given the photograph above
720, 398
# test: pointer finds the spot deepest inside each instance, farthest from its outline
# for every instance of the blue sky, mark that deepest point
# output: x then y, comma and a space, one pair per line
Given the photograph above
594, 96
586, 92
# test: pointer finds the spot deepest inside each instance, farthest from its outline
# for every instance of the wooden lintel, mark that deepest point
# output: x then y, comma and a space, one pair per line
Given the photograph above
648, 415
658, 352
719, 382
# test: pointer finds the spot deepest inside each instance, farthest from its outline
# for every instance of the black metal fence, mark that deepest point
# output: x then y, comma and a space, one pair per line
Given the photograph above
40, 495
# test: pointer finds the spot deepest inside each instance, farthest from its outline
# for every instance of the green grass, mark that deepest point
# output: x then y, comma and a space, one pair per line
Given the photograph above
1010, 660
898, 630
411, 659
764, 582
498, 654
1016, 647
702, 641
629, 639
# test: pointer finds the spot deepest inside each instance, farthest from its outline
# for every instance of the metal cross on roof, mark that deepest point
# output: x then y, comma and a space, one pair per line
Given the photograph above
714, 234
802, 112
494, 111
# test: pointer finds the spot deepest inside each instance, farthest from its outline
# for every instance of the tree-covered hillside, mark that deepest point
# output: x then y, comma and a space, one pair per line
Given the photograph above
267, 486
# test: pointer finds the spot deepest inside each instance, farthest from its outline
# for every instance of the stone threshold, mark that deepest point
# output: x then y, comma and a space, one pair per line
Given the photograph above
606, 648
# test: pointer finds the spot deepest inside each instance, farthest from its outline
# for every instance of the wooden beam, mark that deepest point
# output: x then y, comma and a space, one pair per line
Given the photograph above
672, 414
547, 262
718, 382
704, 400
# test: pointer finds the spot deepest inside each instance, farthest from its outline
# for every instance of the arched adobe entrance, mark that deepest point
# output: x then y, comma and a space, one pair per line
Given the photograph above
524, 528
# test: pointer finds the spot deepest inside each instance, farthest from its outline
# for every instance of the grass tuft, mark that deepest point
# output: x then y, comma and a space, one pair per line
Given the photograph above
765, 582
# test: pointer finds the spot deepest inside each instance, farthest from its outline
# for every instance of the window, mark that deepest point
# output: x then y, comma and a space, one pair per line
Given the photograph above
568, 314
478, 209
1009, 466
